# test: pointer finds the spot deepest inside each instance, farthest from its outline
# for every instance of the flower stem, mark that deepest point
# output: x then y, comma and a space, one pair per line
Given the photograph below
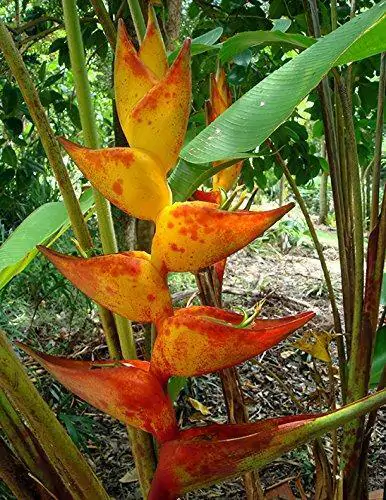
138, 19
91, 139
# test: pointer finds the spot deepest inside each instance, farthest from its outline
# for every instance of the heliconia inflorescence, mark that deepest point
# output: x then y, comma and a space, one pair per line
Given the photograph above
153, 103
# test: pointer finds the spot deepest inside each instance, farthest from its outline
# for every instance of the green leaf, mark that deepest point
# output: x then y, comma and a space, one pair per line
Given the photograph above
9, 157
208, 38
383, 292
281, 24
6, 175
57, 45
42, 227
42, 71
242, 41
253, 118
201, 44
9, 99
187, 177
175, 386
53, 79
379, 357
14, 126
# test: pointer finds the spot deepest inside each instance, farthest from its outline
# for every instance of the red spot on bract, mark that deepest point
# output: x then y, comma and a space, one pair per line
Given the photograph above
176, 248
151, 297
170, 225
134, 268
117, 187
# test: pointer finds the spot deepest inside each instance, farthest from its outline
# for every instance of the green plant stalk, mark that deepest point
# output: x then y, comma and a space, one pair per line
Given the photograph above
15, 475
333, 159
91, 139
140, 441
378, 143
326, 423
52, 149
319, 250
138, 19
344, 180
19, 436
334, 16
106, 22
353, 165
62, 453
356, 387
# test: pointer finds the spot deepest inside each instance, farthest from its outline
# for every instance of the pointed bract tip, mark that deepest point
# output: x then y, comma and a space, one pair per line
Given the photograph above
123, 35
69, 145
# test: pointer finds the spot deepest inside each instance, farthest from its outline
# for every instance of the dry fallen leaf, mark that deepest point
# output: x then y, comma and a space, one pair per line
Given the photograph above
131, 476
204, 410
316, 344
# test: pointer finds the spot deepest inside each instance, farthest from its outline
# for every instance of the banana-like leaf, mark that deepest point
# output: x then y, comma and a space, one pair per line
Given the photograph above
42, 227
186, 178
194, 235
127, 283
125, 390
243, 41
202, 43
220, 100
206, 455
253, 118
158, 122
152, 51
130, 178
200, 340
132, 78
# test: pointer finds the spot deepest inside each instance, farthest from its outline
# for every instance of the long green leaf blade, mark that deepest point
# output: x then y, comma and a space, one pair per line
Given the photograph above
242, 41
42, 226
253, 118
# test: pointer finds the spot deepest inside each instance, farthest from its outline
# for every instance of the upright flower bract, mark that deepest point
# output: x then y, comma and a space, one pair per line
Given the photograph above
220, 100
153, 103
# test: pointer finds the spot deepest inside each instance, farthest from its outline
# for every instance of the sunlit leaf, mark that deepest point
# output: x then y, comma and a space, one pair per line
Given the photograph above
42, 227
253, 118
242, 41
316, 344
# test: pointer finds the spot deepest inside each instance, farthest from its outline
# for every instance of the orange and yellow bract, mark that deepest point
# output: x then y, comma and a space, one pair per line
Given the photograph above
153, 103
152, 51
129, 177
193, 235
199, 340
124, 389
127, 283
